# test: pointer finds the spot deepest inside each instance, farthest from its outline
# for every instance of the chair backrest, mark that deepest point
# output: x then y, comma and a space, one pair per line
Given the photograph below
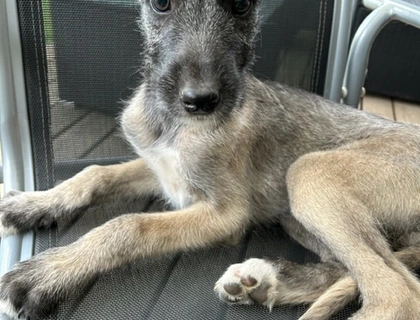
82, 59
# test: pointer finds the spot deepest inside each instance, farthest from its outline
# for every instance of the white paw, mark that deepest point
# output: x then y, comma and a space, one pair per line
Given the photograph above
253, 281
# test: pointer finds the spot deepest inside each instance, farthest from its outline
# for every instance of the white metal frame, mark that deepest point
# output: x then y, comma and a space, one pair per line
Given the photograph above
14, 130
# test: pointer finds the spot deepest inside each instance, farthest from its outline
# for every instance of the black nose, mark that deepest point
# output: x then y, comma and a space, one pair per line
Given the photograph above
199, 101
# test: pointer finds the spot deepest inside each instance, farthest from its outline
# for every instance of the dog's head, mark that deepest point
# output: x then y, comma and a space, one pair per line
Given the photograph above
197, 52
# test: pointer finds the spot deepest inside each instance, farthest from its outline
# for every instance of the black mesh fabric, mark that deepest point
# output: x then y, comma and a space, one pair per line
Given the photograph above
81, 60
178, 286
294, 41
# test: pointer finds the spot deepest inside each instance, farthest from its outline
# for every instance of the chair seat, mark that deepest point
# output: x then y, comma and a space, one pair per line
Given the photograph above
178, 286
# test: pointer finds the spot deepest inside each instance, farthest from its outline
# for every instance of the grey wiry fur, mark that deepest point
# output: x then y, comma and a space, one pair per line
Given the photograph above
343, 183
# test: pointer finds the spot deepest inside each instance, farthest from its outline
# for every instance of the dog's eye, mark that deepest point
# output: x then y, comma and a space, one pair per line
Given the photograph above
161, 5
240, 7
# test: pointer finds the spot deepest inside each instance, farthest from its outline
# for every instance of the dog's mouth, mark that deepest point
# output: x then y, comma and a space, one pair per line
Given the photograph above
200, 116
200, 113
200, 119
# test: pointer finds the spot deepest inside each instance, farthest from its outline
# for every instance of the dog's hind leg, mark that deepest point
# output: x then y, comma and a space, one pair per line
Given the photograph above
22, 211
345, 290
326, 202
277, 282
333, 300
327, 286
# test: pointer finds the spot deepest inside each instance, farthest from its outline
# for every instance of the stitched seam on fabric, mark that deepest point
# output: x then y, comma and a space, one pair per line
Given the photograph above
317, 46
50, 240
39, 77
46, 84
322, 44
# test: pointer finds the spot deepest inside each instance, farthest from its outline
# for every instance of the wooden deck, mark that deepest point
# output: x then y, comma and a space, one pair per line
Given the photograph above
392, 109
383, 106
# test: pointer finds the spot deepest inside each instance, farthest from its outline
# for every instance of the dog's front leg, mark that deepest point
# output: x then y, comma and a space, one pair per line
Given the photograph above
34, 287
22, 211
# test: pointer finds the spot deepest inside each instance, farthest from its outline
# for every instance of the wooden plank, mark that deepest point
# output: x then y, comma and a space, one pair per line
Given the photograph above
381, 106
407, 112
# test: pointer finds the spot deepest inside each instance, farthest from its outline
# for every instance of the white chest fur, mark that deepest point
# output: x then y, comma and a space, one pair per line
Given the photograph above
165, 163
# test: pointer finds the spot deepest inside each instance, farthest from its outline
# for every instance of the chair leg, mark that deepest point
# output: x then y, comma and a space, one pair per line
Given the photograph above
338, 49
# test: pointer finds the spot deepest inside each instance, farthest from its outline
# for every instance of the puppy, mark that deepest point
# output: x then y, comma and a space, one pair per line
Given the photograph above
229, 151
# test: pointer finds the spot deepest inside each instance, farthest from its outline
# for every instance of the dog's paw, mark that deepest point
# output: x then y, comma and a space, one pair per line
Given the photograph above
34, 287
7, 206
22, 211
253, 281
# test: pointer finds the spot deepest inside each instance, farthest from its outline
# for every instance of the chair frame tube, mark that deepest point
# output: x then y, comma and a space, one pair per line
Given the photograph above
14, 130
357, 63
